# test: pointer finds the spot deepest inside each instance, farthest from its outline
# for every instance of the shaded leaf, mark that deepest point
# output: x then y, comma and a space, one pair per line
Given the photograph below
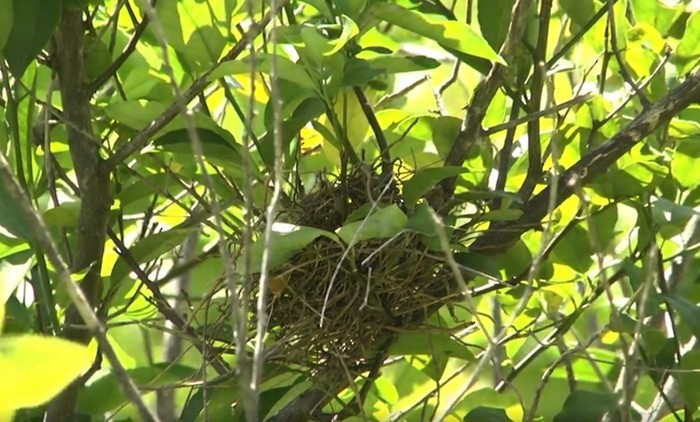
33, 23
688, 311
487, 414
585, 406
12, 218
425, 179
430, 343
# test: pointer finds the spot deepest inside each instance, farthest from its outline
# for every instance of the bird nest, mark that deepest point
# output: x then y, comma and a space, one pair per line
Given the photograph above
338, 304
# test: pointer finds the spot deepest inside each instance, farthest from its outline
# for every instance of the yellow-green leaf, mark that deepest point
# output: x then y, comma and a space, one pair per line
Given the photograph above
34, 369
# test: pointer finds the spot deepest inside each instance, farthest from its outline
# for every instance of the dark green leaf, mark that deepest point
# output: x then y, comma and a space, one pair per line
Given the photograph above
688, 377
586, 406
11, 216
487, 414
688, 311
33, 23
425, 179
494, 19
217, 147
6, 19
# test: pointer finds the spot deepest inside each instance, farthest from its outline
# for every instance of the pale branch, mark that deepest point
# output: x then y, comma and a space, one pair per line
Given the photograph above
471, 130
144, 136
501, 236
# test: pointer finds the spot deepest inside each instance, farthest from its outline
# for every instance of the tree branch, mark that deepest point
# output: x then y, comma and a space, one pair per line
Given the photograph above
483, 94
93, 182
501, 236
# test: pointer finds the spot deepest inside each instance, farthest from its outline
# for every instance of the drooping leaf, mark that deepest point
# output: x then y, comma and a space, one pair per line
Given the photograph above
430, 343
487, 414
494, 19
688, 311
449, 34
688, 377
425, 179
287, 240
284, 68
32, 374
584, 406
383, 223
33, 22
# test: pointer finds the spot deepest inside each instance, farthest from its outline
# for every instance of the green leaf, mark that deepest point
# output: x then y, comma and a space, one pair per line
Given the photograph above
425, 179
286, 241
430, 343
580, 11
30, 372
396, 64
105, 394
383, 223
685, 161
385, 390
307, 111
688, 379
13, 268
145, 250
322, 46
449, 34
33, 23
688, 50
494, 19
585, 406
490, 398
688, 311
6, 18
217, 147
285, 69
487, 414
12, 217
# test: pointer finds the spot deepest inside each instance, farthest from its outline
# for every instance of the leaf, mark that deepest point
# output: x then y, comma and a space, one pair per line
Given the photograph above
430, 343
217, 148
688, 379
396, 64
688, 311
33, 23
494, 19
585, 406
580, 11
322, 46
12, 217
32, 372
12, 271
308, 110
286, 241
425, 179
6, 19
105, 394
684, 163
688, 50
145, 250
381, 224
285, 69
449, 34
487, 414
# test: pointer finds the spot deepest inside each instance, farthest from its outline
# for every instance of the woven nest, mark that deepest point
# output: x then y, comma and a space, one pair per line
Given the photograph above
381, 287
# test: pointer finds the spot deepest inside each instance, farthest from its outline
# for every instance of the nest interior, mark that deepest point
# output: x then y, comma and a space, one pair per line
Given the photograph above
326, 309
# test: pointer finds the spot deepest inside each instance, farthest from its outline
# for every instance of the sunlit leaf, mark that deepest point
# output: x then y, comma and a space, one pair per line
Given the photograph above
450, 34
30, 372
383, 223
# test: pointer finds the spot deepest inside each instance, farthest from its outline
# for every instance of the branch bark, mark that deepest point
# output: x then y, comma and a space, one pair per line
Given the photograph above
94, 184
500, 237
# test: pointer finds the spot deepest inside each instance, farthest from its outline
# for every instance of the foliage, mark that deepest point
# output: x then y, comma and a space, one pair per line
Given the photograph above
359, 209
